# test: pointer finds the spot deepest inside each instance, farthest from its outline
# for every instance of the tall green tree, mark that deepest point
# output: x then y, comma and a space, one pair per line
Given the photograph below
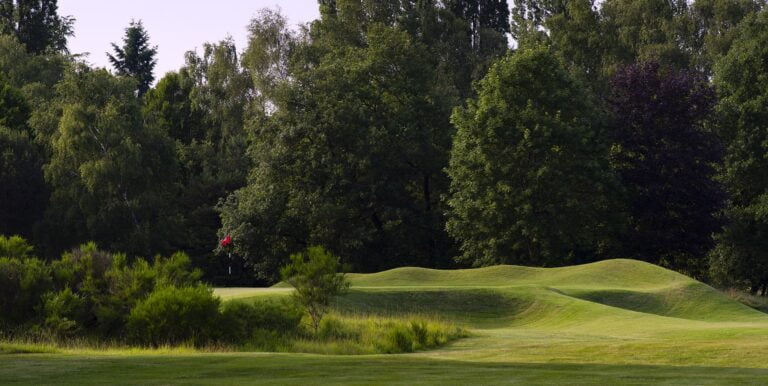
35, 76
37, 24
644, 30
488, 21
462, 37
740, 258
203, 108
266, 59
352, 156
530, 180
111, 176
22, 189
716, 22
136, 58
31, 117
575, 32
666, 157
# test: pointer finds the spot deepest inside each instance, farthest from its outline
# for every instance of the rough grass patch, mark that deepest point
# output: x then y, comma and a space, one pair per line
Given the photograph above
358, 334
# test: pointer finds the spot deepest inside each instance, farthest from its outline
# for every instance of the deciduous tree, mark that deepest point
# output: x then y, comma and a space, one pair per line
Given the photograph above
112, 176
37, 24
530, 181
666, 158
741, 257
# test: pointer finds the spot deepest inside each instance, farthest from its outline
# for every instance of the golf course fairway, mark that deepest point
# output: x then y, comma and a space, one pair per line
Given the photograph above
611, 322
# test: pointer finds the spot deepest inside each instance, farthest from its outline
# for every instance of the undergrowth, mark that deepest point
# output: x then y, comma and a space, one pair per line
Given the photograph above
339, 334
360, 334
759, 303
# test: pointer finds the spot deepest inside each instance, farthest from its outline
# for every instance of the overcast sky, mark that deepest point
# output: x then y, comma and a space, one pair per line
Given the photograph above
175, 26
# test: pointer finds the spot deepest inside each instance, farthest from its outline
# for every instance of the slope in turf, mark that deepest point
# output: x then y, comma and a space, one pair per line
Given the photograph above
538, 294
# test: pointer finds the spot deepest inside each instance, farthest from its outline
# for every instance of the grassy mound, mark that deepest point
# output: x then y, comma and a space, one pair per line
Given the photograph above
542, 294
618, 273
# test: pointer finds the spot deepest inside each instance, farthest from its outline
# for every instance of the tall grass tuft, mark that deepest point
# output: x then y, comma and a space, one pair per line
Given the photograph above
759, 303
358, 334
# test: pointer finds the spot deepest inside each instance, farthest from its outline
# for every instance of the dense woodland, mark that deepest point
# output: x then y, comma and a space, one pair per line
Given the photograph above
434, 133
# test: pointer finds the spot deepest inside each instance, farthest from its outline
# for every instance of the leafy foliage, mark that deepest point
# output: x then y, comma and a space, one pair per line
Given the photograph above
242, 322
666, 159
203, 109
37, 24
352, 157
171, 316
315, 275
340, 133
22, 188
23, 282
740, 258
15, 247
111, 176
530, 183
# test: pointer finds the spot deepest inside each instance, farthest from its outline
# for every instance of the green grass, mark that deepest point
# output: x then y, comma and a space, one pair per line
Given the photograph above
613, 322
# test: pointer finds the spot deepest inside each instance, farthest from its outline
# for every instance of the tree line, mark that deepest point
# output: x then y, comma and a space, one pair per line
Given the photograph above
435, 133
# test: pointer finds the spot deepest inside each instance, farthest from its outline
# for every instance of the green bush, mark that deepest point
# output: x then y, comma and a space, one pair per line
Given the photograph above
23, 283
243, 322
173, 316
63, 310
93, 292
110, 285
15, 246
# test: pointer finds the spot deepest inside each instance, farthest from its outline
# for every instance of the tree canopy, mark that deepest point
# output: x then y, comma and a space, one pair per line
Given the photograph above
401, 133
528, 185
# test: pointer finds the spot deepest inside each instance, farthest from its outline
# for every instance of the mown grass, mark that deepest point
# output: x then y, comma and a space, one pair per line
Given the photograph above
614, 322
302, 369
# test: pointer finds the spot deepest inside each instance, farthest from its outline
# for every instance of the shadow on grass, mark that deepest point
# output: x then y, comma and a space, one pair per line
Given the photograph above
313, 369
476, 307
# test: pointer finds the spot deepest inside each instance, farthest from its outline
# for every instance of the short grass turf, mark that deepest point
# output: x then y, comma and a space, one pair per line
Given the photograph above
612, 322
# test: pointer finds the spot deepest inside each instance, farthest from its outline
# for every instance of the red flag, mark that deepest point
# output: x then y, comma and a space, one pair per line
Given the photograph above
226, 241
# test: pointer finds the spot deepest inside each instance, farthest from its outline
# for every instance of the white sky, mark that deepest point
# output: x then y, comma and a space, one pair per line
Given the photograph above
175, 26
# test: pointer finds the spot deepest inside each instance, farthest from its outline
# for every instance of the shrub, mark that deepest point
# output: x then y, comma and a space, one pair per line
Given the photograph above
315, 274
173, 315
110, 285
359, 335
23, 282
242, 322
176, 270
63, 310
15, 246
